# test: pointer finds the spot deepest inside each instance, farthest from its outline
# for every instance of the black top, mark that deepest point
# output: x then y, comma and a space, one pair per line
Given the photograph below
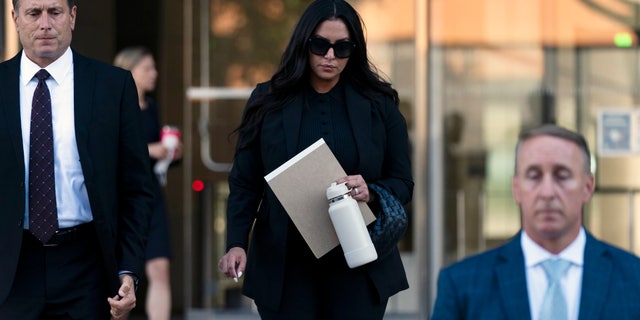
324, 115
151, 123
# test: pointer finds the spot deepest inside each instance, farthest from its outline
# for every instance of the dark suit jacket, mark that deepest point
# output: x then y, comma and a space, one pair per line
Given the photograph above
493, 285
382, 144
114, 159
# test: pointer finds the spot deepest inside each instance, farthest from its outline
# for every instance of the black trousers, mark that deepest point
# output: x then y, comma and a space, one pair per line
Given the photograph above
325, 288
62, 281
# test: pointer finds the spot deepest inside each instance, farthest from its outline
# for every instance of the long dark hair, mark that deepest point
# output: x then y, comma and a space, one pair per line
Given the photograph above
293, 73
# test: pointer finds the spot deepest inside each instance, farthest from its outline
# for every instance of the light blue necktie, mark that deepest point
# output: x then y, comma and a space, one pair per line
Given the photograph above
554, 305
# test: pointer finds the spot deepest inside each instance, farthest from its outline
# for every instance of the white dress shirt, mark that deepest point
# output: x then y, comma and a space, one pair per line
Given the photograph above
537, 280
71, 193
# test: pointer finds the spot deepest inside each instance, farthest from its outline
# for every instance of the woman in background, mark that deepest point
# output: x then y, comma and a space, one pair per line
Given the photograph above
326, 88
140, 62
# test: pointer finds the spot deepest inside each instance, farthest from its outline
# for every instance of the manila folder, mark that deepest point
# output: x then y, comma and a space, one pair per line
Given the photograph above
301, 184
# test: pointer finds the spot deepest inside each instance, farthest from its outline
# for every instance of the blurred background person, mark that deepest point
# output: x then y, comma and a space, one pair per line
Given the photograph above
139, 60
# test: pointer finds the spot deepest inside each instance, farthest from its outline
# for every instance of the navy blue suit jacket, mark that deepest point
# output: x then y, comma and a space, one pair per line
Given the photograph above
492, 285
114, 160
383, 148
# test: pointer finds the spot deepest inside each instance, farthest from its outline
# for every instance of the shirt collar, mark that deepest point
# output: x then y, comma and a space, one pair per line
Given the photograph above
57, 69
535, 254
336, 93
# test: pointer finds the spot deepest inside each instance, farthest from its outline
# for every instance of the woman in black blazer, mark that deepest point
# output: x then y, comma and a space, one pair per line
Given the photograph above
326, 88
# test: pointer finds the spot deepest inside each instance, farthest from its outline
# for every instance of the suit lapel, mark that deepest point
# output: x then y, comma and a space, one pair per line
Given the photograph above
84, 88
10, 104
512, 282
596, 274
291, 118
359, 111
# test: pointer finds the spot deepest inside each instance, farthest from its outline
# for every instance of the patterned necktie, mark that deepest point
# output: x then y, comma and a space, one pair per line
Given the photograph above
554, 304
43, 213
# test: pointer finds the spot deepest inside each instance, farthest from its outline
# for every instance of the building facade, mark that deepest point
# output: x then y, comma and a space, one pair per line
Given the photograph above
470, 74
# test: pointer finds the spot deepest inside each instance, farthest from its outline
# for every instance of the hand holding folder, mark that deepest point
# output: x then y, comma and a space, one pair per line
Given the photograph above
300, 184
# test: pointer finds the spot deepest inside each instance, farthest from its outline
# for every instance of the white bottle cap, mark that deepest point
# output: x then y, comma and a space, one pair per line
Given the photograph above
336, 190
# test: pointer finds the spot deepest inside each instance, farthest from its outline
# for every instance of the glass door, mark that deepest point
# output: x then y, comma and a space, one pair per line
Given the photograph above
498, 67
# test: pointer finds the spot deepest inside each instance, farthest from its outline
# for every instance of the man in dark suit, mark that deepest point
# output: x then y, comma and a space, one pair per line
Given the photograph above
87, 266
551, 185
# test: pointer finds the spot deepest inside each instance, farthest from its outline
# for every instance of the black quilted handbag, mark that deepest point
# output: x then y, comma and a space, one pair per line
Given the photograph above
391, 222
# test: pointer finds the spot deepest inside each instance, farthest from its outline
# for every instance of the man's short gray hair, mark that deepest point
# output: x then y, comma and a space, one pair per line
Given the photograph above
558, 132
16, 4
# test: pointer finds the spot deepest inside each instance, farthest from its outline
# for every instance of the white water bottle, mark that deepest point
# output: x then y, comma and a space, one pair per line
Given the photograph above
350, 227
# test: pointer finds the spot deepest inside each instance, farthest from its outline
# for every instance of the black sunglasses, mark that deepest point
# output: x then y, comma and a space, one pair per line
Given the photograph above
341, 49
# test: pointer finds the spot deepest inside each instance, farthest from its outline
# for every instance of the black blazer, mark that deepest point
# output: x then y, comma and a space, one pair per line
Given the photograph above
114, 160
383, 147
